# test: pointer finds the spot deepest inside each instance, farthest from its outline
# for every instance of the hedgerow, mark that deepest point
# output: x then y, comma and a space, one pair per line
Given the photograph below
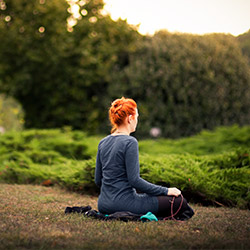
67, 158
222, 178
207, 142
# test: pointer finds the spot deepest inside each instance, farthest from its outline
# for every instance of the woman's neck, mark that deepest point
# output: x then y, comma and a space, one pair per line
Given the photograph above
122, 131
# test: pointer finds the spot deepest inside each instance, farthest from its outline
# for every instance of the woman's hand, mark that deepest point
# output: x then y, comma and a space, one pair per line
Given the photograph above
174, 191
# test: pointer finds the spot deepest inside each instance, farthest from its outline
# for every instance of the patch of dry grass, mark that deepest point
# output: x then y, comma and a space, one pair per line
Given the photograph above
33, 217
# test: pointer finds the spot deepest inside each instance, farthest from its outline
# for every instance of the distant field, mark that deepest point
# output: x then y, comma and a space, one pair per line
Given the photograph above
32, 217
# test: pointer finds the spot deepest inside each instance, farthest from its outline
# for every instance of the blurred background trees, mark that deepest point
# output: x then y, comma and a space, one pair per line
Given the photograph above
34, 56
11, 114
190, 82
244, 41
66, 66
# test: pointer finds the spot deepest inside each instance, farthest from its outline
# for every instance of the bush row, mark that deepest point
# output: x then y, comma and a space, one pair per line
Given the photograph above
221, 179
67, 158
207, 142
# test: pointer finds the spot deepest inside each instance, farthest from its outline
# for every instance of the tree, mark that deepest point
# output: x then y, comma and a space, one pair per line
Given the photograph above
33, 55
58, 72
184, 83
244, 41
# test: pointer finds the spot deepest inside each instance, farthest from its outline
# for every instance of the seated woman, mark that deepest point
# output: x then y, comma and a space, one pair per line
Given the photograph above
117, 170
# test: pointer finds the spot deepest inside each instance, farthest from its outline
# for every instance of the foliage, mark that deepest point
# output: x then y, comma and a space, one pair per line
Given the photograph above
222, 178
67, 158
207, 142
67, 75
59, 75
35, 59
107, 43
11, 114
66, 145
185, 83
244, 41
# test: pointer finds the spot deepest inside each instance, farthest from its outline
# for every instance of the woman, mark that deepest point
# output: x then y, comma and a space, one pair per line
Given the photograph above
117, 170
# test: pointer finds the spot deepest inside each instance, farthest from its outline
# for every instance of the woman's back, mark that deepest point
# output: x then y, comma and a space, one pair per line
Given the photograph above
117, 173
112, 150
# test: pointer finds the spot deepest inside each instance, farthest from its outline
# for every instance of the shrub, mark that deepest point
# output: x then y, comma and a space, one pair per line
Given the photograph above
40, 156
206, 142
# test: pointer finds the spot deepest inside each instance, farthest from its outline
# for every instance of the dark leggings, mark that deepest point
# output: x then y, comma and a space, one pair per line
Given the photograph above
164, 208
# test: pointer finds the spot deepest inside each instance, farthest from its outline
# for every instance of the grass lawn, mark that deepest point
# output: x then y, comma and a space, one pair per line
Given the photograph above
32, 217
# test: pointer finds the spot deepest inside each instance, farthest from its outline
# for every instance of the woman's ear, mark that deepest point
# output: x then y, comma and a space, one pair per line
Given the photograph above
129, 118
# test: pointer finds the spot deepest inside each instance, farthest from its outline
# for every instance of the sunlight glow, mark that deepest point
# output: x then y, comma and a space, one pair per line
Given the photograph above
74, 8
192, 16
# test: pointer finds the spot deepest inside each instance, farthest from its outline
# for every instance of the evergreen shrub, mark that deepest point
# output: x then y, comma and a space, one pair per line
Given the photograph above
218, 177
219, 140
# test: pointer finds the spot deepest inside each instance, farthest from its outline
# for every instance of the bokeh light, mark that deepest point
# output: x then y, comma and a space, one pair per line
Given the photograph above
41, 29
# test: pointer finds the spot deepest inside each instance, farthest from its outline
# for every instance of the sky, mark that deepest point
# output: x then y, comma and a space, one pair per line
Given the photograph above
188, 16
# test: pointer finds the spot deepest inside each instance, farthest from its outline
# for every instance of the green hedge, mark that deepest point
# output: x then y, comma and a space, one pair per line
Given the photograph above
222, 178
207, 142
67, 158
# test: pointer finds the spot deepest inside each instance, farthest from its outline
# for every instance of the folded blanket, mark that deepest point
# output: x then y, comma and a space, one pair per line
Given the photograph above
124, 215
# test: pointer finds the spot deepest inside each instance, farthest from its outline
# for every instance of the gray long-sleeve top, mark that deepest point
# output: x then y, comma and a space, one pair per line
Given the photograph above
117, 173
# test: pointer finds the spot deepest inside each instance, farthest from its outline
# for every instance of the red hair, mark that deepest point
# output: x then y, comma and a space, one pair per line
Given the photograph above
119, 110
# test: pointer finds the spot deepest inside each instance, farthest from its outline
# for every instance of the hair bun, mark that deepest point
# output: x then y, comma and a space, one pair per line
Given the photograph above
116, 105
119, 110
